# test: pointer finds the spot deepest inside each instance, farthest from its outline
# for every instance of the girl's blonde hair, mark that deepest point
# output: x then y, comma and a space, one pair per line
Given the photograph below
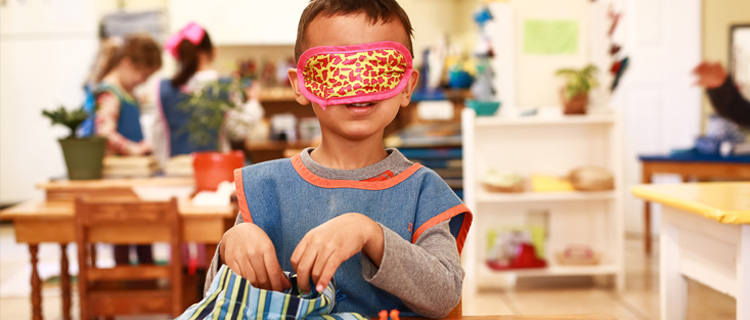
141, 49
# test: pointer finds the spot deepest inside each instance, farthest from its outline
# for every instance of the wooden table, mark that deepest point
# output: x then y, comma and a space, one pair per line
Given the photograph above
705, 235
689, 165
532, 317
52, 220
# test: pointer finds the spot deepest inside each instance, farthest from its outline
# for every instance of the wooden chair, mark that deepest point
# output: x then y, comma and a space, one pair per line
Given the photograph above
457, 311
126, 290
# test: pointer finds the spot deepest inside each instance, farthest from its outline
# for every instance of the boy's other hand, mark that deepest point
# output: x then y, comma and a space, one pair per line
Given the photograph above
247, 250
710, 75
323, 249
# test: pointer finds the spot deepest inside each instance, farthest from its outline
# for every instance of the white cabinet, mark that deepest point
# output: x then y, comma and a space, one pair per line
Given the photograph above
551, 145
241, 22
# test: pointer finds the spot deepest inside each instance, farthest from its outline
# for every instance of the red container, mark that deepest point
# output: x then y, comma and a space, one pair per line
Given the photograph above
211, 168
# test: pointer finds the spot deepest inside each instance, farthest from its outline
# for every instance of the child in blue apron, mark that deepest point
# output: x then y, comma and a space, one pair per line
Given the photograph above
194, 52
387, 230
123, 66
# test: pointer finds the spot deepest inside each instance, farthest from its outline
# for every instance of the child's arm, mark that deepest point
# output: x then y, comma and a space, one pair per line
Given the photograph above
106, 126
426, 276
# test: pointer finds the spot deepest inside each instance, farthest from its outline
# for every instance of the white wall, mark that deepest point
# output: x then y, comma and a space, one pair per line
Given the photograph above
46, 48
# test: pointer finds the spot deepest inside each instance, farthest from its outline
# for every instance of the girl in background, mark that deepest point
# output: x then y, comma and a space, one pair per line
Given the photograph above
195, 53
123, 65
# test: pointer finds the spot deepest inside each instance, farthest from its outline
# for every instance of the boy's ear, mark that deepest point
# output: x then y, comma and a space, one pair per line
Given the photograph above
413, 81
295, 87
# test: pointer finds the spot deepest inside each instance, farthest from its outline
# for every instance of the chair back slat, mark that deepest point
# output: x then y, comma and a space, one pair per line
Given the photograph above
124, 220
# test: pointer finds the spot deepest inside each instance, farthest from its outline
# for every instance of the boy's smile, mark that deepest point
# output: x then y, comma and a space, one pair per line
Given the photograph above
362, 108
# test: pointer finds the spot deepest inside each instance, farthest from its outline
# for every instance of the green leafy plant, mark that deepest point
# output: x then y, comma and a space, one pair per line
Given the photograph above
71, 119
207, 109
579, 81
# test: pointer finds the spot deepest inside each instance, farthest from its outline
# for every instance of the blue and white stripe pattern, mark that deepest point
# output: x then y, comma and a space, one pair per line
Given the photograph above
233, 297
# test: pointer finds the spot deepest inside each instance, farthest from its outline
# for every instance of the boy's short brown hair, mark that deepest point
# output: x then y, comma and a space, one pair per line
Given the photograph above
376, 11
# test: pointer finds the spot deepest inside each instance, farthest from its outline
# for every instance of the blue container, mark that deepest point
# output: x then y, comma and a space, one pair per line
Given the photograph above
483, 108
459, 79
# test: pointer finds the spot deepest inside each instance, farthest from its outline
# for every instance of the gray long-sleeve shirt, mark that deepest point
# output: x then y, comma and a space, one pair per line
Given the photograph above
427, 275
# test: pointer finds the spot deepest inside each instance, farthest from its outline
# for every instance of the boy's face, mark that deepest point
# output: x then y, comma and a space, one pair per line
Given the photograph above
354, 122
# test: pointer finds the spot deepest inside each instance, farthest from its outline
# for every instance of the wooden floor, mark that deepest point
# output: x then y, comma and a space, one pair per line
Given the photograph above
570, 295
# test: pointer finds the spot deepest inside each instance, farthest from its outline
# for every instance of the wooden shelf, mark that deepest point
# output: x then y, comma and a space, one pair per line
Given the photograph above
524, 197
552, 270
589, 119
547, 142
278, 94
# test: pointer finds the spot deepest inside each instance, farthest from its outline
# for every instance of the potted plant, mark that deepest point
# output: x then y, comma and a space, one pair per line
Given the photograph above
83, 156
575, 94
207, 109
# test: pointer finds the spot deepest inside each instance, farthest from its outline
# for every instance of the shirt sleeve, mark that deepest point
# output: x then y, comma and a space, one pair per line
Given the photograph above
729, 103
432, 287
213, 269
106, 126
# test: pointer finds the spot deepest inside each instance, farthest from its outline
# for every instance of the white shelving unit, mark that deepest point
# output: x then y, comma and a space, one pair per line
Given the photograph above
554, 145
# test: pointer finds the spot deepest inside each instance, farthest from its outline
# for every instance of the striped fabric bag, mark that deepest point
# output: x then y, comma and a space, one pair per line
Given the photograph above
232, 297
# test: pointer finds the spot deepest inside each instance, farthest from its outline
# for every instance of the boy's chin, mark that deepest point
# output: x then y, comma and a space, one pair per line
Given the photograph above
357, 131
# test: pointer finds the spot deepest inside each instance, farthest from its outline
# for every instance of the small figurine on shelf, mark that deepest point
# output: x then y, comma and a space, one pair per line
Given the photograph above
485, 101
513, 250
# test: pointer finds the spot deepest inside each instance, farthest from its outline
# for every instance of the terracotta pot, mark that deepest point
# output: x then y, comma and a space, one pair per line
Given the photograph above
576, 105
211, 168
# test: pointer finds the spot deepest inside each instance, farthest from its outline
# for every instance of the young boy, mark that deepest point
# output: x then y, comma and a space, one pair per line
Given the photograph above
388, 231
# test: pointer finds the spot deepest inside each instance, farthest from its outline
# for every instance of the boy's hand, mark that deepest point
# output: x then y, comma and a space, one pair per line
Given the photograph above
324, 248
248, 251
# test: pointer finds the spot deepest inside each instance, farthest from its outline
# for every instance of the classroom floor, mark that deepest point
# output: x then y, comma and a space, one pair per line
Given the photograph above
639, 301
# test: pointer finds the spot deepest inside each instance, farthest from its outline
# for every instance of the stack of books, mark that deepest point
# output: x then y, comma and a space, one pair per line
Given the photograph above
129, 166
179, 166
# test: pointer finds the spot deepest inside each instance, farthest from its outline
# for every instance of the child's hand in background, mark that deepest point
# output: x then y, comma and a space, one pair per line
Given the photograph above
248, 251
324, 248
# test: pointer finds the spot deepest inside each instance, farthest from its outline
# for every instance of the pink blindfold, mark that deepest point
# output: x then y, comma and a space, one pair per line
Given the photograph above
354, 74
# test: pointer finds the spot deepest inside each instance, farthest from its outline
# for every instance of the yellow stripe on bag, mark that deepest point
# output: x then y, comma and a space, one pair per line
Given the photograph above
233, 297
261, 305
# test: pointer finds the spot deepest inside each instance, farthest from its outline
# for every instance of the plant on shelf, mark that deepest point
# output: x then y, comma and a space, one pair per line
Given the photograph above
83, 156
575, 94
207, 111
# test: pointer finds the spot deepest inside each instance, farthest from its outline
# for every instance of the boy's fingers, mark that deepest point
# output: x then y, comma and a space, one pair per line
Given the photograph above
303, 270
259, 267
297, 254
250, 275
330, 269
274, 271
320, 264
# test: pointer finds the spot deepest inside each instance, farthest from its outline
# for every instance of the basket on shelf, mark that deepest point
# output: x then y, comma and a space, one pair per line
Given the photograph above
508, 182
591, 179
578, 255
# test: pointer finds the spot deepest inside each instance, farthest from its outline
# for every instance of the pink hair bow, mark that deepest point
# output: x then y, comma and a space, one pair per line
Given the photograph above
191, 32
